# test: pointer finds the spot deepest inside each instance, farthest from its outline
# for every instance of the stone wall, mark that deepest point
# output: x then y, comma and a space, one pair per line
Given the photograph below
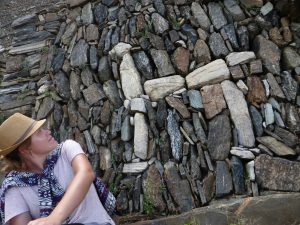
176, 102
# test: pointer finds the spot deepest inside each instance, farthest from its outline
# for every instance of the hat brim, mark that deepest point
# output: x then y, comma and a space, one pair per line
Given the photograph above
38, 124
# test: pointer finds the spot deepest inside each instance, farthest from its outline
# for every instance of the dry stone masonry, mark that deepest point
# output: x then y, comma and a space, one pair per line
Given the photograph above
176, 102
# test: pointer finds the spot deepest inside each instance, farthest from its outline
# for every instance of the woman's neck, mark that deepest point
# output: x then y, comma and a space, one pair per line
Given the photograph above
35, 163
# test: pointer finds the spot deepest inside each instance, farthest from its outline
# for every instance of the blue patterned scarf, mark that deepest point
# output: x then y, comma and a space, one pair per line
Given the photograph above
50, 191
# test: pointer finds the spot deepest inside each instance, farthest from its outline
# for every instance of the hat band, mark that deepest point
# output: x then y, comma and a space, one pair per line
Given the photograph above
25, 133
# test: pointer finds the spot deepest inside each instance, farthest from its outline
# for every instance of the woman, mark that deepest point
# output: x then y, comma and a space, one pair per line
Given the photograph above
48, 183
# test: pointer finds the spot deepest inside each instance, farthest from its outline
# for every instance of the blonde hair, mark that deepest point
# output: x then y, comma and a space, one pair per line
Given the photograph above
13, 160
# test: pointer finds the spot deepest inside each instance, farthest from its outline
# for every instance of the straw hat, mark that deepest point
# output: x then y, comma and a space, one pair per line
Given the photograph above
15, 130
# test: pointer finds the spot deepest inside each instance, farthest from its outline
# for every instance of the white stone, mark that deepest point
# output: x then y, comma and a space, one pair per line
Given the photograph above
154, 104
250, 170
138, 105
242, 154
105, 158
235, 58
161, 87
140, 136
126, 103
132, 121
268, 7
130, 78
242, 86
269, 114
267, 87
239, 113
120, 50
135, 167
256, 151
212, 73
37, 46
179, 92
1, 49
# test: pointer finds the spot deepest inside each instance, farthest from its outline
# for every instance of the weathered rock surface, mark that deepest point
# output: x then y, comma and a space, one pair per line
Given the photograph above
161, 87
179, 188
212, 73
239, 113
285, 171
130, 78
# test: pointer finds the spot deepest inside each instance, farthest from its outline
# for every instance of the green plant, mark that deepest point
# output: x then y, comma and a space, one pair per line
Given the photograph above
44, 50
193, 222
2, 118
255, 9
113, 188
176, 24
148, 205
162, 188
146, 31
25, 67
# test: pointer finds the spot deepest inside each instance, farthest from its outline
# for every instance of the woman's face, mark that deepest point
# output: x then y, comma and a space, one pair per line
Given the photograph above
42, 142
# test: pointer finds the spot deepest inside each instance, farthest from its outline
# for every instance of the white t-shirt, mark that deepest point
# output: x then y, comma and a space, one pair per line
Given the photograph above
23, 199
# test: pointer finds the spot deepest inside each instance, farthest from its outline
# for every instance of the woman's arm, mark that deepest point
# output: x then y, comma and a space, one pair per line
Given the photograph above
75, 193
21, 219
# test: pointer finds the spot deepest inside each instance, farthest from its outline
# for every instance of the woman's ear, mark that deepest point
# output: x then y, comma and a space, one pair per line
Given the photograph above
25, 148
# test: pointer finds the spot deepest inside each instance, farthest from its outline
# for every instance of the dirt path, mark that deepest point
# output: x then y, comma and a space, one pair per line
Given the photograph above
12, 9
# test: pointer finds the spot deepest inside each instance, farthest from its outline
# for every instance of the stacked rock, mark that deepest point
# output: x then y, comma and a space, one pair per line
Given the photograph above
176, 102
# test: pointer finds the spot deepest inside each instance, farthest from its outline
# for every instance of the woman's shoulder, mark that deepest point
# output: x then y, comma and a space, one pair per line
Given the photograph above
70, 149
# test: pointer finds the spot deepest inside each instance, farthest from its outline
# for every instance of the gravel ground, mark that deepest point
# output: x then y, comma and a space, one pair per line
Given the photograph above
12, 9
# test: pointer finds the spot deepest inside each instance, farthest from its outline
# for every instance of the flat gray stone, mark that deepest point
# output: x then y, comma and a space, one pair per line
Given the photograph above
201, 52
235, 58
219, 137
152, 184
159, 88
62, 85
290, 58
216, 15
195, 99
143, 64
175, 136
75, 83
223, 179
112, 92
93, 94
135, 167
79, 54
179, 188
160, 24
212, 73
269, 53
74, 3
275, 146
162, 62
200, 16
239, 113
140, 136
285, 171
234, 9
87, 14
130, 78
217, 45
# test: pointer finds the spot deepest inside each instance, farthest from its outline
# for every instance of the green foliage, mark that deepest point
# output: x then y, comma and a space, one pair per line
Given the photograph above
44, 50
25, 67
255, 9
162, 188
148, 205
193, 222
2, 118
113, 188
146, 31
176, 24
